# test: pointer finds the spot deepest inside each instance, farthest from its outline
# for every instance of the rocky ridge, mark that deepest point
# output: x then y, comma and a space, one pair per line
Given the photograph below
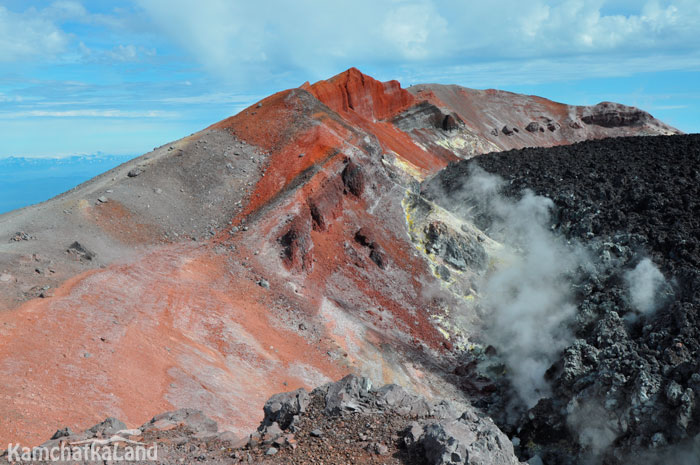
494, 120
348, 421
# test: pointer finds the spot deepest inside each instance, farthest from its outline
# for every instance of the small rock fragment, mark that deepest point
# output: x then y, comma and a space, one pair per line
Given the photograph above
533, 127
46, 293
21, 236
62, 433
76, 248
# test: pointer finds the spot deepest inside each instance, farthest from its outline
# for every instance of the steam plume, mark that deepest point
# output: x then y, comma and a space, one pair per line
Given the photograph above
644, 283
528, 298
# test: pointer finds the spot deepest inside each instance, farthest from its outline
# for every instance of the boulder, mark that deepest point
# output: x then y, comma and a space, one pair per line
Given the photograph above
347, 394
470, 439
413, 434
282, 408
107, 428
192, 419
80, 251
62, 433
613, 115
394, 398
533, 127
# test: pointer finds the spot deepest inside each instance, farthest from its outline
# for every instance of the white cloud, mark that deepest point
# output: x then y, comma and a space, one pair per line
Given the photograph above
413, 30
66, 9
118, 54
87, 113
40, 34
667, 107
248, 42
29, 35
124, 53
10, 98
502, 72
215, 98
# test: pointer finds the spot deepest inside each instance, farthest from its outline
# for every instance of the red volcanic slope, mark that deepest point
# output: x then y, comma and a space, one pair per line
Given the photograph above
185, 325
309, 272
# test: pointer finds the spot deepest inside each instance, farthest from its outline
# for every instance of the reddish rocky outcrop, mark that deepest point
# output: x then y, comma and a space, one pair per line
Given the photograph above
363, 95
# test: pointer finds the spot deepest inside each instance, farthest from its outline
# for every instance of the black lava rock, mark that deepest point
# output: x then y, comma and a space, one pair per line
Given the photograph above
631, 381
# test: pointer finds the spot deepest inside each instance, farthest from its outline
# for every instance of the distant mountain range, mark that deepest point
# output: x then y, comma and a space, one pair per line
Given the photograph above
26, 181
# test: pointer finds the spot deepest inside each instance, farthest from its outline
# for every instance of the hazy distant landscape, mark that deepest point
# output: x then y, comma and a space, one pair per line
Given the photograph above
26, 181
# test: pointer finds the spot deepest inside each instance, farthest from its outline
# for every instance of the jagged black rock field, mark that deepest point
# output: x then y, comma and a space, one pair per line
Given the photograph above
627, 389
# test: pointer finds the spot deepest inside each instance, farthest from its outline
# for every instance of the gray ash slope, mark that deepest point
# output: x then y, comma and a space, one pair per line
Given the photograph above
628, 387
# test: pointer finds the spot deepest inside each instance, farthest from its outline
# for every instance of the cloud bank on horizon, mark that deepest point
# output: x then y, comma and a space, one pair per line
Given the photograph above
159, 69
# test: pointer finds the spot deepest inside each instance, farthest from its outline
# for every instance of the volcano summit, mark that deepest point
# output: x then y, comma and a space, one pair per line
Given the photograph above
330, 230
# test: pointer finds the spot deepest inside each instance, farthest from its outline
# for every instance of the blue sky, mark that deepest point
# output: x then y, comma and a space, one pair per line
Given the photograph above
120, 77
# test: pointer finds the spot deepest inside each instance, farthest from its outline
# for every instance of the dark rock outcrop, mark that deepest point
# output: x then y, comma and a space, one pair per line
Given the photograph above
614, 115
629, 382
470, 439
80, 251
425, 115
283, 408
353, 178
533, 127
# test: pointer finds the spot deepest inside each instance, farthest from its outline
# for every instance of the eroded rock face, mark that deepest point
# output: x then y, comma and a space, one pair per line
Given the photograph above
426, 116
367, 97
614, 115
274, 272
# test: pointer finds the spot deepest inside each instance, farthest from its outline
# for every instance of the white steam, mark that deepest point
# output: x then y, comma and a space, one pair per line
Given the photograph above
645, 282
528, 301
528, 297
